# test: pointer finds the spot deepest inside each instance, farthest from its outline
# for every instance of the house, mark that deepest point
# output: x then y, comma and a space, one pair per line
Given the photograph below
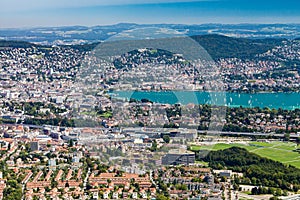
115, 195
106, 195
134, 195
95, 195
144, 194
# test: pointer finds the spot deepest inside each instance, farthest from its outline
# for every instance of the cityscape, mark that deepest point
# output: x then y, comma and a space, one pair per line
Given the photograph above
158, 100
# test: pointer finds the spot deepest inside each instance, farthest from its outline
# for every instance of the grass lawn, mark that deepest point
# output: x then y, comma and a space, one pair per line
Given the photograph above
106, 115
93, 113
278, 151
202, 163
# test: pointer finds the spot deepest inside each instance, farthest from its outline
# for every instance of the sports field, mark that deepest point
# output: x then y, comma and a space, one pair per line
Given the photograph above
278, 151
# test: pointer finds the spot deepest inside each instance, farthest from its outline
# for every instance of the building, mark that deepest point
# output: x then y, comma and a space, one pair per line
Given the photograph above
75, 159
34, 146
52, 163
95, 195
178, 157
225, 173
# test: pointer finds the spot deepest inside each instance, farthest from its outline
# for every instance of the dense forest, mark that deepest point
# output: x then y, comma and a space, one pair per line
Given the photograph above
219, 46
17, 44
22, 44
256, 169
83, 47
52, 121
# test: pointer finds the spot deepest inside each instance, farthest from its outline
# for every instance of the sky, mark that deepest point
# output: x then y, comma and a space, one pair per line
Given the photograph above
41, 13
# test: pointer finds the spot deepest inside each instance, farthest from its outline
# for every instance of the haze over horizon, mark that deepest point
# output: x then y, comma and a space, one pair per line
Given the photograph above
35, 13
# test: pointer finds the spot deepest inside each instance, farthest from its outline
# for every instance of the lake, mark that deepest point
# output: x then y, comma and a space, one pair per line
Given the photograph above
271, 100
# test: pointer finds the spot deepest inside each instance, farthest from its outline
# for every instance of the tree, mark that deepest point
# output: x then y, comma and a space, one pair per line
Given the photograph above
274, 198
12, 183
89, 186
13, 191
278, 192
286, 137
223, 179
298, 140
154, 146
166, 138
161, 197
235, 186
71, 143
263, 171
47, 189
254, 191
54, 184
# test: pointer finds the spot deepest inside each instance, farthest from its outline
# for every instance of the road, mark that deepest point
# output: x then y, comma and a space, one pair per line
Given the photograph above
294, 197
86, 179
199, 131
244, 133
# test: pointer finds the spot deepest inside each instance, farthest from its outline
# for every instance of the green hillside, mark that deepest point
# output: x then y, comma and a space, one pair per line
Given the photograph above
16, 44
219, 46
284, 152
257, 170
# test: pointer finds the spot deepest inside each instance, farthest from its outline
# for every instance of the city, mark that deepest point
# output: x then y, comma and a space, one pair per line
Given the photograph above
152, 100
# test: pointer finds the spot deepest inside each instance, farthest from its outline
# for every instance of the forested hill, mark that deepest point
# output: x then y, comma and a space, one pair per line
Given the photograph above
256, 169
17, 44
83, 47
219, 46
22, 44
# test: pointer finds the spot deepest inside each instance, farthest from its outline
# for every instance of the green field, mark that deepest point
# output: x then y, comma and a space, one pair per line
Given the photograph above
278, 151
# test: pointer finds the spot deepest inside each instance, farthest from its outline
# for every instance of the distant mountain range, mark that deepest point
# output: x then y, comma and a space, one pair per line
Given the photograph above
81, 34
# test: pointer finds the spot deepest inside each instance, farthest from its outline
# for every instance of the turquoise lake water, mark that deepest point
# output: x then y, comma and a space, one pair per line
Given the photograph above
271, 100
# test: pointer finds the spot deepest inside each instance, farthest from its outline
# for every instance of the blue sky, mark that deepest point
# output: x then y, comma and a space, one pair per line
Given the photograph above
35, 13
